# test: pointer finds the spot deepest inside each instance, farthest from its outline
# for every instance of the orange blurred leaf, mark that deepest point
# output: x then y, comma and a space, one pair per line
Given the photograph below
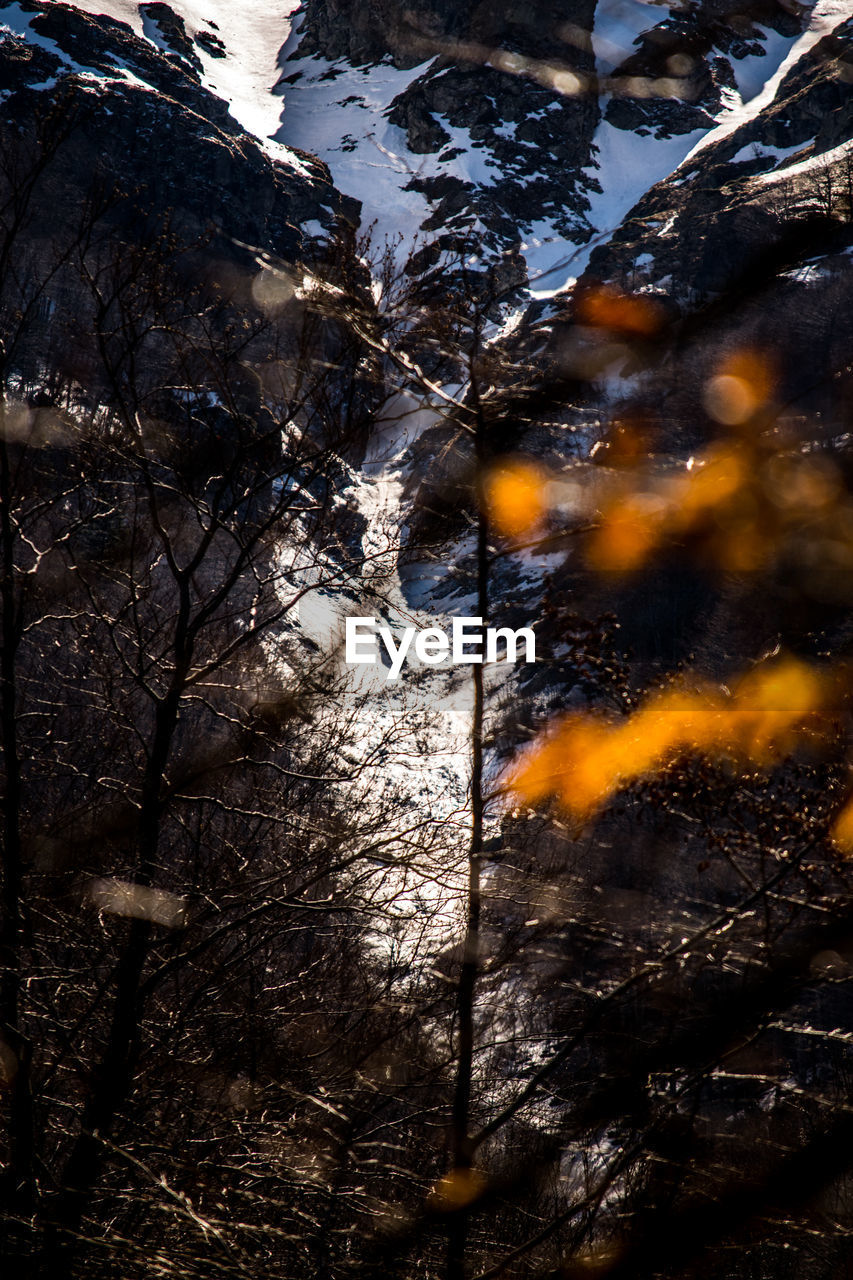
742, 385
629, 531
604, 307
842, 830
458, 1188
586, 759
515, 499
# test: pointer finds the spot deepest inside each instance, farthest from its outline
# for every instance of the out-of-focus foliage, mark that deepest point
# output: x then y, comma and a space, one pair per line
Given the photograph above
584, 760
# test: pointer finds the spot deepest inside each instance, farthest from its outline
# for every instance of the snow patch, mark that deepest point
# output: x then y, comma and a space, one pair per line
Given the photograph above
338, 113
475, 164
19, 22
821, 160
618, 25
752, 73
762, 151
826, 16
627, 166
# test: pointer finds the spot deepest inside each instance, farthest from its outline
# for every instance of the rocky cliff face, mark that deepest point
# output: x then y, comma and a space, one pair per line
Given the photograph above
525, 135
748, 241
110, 142
471, 118
143, 123
757, 170
690, 155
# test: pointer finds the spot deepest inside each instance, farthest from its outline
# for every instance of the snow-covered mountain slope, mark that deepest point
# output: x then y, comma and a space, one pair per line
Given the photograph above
142, 108
767, 165
525, 135
234, 46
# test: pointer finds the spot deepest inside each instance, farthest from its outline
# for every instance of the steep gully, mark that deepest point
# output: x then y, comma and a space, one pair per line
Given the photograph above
341, 112
350, 116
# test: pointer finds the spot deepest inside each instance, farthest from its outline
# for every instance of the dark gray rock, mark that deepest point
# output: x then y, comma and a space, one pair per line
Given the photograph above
173, 32
177, 148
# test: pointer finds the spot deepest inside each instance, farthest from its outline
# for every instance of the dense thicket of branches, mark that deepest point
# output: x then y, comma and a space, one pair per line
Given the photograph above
229, 1043
187, 850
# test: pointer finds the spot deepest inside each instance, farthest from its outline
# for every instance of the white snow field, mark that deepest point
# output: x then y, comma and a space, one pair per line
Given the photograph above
338, 113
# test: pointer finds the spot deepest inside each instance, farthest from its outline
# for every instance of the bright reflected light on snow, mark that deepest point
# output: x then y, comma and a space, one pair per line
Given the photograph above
253, 35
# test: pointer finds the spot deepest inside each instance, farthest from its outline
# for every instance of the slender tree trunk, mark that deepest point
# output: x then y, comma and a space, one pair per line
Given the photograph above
466, 1000
113, 1079
20, 1186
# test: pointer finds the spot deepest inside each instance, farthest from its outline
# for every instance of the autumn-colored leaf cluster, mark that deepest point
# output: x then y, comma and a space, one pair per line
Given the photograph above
516, 496
630, 315
752, 499
586, 759
757, 497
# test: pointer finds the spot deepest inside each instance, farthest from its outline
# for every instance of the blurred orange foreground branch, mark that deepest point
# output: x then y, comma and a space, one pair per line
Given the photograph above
583, 760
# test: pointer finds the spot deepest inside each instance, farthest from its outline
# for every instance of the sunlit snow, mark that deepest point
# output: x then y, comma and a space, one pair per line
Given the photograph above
337, 112
826, 15
253, 34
